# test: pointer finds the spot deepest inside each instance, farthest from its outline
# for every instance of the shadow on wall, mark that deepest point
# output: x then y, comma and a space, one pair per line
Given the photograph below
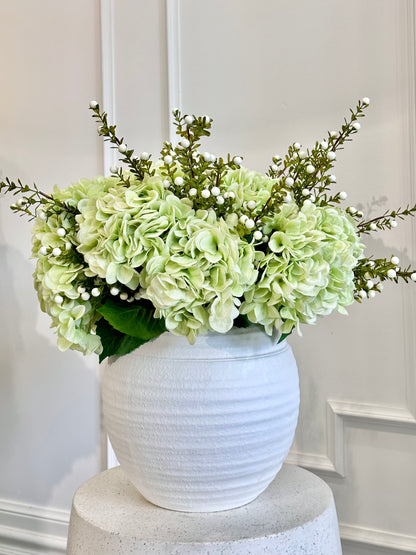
49, 401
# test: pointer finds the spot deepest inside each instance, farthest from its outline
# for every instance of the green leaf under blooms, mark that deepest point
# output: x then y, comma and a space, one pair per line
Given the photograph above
136, 320
114, 342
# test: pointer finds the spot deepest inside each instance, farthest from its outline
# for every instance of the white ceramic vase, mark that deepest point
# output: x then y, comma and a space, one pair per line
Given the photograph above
202, 427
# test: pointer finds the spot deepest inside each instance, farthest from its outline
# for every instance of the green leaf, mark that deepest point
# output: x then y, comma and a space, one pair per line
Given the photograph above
283, 336
114, 342
242, 321
135, 320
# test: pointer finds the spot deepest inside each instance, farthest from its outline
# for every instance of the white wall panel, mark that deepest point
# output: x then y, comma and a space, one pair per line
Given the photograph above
49, 405
270, 73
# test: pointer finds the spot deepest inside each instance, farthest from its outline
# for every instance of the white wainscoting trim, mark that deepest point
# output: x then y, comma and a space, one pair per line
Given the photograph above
173, 36
377, 538
110, 157
29, 529
385, 418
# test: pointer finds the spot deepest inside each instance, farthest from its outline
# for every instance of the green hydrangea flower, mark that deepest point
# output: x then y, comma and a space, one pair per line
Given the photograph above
309, 272
197, 277
59, 271
122, 229
248, 185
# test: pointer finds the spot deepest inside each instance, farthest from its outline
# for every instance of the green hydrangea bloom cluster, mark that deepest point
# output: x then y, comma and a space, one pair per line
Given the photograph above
309, 269
194, 243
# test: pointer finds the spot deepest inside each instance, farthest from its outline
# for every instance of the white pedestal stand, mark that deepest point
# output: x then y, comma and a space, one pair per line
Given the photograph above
295, 515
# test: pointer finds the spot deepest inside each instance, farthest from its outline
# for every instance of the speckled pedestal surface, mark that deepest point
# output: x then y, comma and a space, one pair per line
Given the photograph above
295, 515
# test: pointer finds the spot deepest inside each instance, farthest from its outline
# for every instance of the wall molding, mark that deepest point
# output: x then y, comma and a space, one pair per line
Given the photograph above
173, 41
108, 77
377, 538
30, 529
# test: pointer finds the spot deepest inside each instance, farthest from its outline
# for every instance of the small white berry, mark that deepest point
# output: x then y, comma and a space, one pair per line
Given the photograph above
206, 156
295, 155
61, 232
251, 205
144, 156
124, 296
68, 245
369, 284
395, 260
56, 251
237, 160
360, 214
287, 198
212, 158
306, 202
332, 178
324, 145
114, 291
189, 120
333, 133
373, 227
137, 295
265, 238
231, 194
356, 126
178, 181
310, 168
331, 155
394, 223
43, 250
413, 276
362, 293
168, 159
122, 148
343, 195
296, 146
192, 192
20, 202
371, 263
366, 100
371, 294
95, 292
289, 181
81, 289
113, 169
207, 119
220, 199
312, 198
306, 192
215, 191
249, 223
352, 209
58, 299
243, 218
42, 215
391, 273
85, 296
93, 104
205, 193
303, 155
257, 235
130, 299
166, 183
185, 143
274, 168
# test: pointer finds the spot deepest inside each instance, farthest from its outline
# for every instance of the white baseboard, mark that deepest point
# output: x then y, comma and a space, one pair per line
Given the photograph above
31, 530
378, 538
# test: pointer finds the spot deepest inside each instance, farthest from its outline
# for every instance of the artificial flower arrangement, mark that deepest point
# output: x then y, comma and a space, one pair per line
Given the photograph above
194, 243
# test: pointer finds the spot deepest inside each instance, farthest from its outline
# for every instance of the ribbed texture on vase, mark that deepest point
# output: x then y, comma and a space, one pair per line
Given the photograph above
207, 431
